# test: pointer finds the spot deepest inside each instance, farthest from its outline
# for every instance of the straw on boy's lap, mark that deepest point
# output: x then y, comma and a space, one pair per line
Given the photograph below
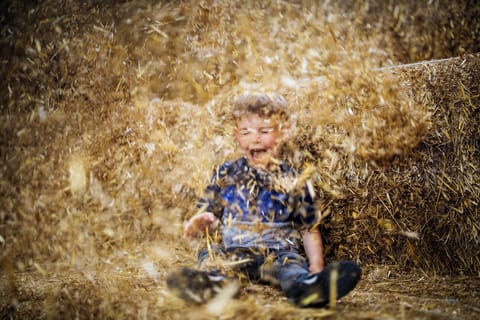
266, 216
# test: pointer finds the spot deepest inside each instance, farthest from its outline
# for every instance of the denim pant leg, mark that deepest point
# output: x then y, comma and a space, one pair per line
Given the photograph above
238, 262
289, 268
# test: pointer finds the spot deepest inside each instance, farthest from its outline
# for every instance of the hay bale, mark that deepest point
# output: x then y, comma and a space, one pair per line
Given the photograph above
419, 208
451, 180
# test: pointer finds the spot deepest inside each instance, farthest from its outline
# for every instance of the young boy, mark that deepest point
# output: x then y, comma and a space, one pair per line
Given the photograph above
267, 218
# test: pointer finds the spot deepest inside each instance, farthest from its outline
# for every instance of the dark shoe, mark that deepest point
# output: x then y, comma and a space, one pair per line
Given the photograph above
314, 291
195, 286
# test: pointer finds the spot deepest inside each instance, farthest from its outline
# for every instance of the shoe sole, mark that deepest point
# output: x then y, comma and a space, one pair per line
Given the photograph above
194, 286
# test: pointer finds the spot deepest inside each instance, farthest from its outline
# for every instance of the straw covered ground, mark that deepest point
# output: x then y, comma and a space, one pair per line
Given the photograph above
114, 114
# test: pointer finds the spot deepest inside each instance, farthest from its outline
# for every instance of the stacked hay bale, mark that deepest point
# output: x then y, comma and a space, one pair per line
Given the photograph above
402, 186
449, 181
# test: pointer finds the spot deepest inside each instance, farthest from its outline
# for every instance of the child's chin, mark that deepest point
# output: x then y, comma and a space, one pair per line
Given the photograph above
262, 163
255, 161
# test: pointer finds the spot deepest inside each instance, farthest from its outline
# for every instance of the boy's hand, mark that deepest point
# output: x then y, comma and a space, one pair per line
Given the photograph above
199, 223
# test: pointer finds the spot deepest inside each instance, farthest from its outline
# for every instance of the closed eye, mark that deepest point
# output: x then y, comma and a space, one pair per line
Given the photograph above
245, 132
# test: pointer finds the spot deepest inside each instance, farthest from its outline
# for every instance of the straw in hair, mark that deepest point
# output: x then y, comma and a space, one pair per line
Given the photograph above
261, 104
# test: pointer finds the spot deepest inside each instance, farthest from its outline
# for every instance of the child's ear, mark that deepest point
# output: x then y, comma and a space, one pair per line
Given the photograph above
235, 131
287, 134
288, 127
287, 130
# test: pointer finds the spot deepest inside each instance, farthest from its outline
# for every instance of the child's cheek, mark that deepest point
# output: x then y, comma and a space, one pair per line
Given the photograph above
271, 141
243, 143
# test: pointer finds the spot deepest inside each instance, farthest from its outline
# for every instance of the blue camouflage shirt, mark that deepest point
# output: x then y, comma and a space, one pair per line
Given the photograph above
259, 209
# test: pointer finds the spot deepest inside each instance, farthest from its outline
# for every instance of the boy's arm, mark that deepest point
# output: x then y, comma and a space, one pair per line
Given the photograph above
313, 245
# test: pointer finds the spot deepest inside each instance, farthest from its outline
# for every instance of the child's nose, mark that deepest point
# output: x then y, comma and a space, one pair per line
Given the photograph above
257, 136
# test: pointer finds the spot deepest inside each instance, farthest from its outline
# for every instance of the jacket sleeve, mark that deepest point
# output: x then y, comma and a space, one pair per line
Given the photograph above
305, 214
212, 198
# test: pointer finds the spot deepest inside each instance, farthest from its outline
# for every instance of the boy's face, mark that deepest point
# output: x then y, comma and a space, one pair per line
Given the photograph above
258, 138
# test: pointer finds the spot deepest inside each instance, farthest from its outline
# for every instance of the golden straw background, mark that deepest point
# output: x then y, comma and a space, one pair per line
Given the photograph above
114, 114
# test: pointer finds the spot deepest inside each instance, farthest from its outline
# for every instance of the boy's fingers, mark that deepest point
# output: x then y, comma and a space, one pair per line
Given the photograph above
209, 216
197, 223
188, 235
187, 231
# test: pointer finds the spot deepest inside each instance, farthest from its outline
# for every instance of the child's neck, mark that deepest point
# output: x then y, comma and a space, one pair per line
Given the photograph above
271, 166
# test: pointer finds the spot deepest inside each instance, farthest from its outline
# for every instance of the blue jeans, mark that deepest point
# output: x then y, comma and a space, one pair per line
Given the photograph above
282, 268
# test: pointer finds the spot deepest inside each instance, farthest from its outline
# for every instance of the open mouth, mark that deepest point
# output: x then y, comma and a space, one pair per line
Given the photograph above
257, 154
